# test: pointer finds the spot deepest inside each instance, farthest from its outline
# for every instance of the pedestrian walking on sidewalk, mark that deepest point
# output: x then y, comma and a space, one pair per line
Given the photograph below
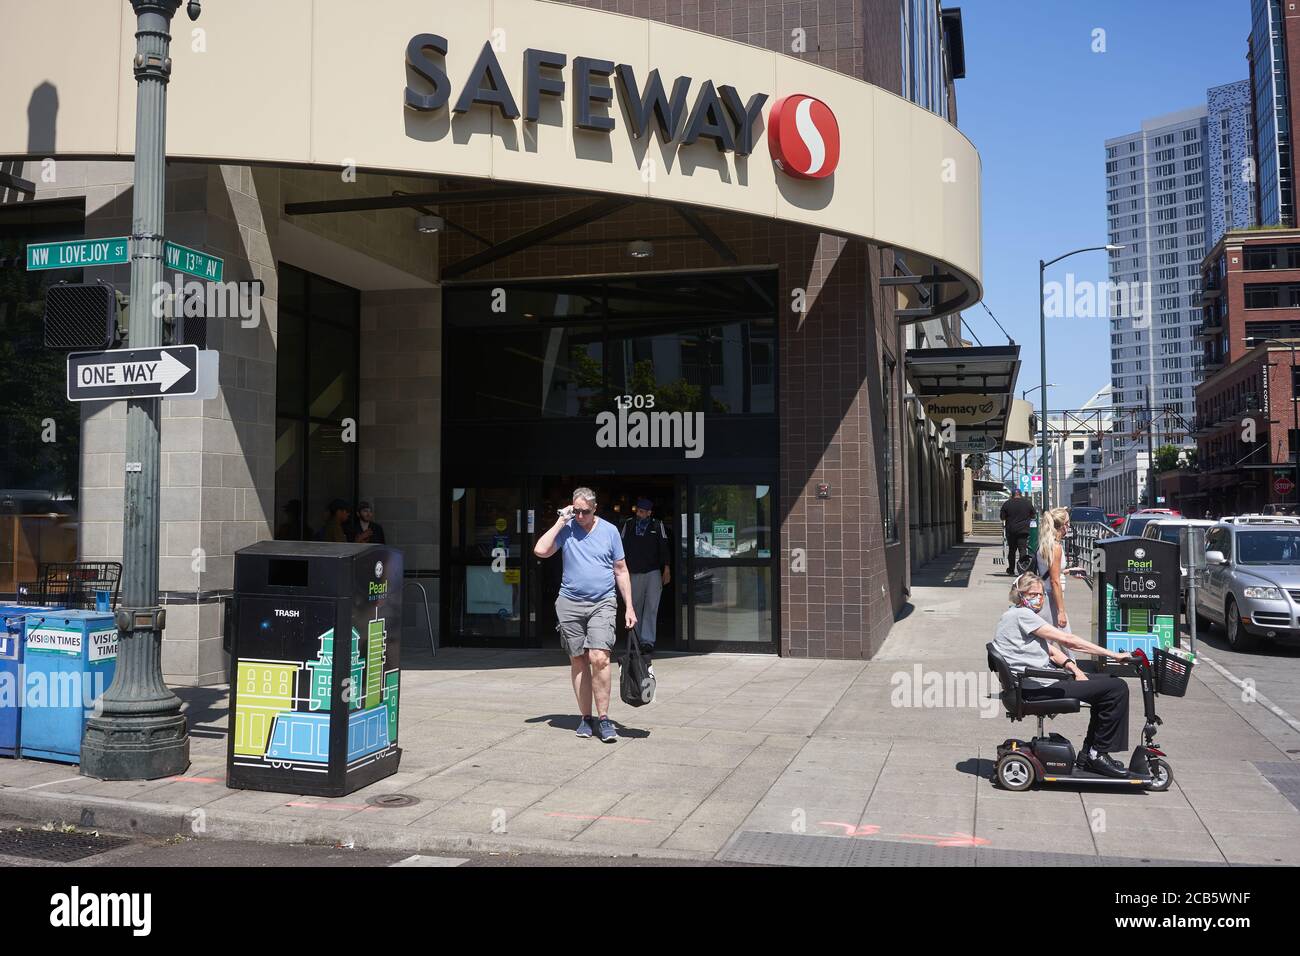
645, 541
1016, 514
587, 608
1053, 529
1025, 640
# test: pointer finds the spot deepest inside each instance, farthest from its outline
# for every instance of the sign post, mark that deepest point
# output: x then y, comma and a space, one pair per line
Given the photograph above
140, 732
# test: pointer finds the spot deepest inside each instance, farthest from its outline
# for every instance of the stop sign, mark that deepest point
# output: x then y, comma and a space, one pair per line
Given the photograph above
1283, 485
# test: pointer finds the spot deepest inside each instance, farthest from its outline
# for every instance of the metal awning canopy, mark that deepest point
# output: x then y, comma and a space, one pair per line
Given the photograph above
989, 371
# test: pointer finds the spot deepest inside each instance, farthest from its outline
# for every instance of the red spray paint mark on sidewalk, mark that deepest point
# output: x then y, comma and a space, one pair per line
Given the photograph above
871, 829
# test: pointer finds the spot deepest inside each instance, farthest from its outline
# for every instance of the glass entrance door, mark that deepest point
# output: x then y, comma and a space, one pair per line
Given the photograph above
732, 588
488, 574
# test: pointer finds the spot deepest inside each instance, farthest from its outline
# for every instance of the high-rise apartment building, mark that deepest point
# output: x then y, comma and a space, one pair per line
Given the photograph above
1271, 34
1157, 209
1230, 163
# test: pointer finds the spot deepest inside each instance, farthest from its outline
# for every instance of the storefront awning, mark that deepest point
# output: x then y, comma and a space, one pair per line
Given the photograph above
973, 388
983, 484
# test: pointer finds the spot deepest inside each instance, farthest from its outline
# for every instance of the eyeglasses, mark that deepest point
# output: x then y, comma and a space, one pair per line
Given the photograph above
582, 511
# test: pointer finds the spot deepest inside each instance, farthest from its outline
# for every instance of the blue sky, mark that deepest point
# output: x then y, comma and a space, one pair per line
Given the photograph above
1038, 103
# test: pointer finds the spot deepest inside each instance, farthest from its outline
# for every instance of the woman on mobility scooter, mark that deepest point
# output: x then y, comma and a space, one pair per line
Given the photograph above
1025, 640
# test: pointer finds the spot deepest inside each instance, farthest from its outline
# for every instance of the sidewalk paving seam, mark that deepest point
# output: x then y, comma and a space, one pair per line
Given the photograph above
705, 798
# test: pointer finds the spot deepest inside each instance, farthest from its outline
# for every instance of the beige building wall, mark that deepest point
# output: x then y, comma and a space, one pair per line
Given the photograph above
218, 456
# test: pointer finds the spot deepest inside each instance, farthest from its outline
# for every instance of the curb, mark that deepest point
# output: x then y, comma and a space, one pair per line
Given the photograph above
131, 818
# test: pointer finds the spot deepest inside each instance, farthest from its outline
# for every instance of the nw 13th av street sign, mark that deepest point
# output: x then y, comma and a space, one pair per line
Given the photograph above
192, 262
170, 372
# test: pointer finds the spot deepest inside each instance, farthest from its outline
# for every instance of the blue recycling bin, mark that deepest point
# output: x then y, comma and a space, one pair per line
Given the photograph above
11, 673
69, 659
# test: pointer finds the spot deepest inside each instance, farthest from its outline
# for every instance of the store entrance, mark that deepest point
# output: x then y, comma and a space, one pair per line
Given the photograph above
722, 574
535, 374
500, 595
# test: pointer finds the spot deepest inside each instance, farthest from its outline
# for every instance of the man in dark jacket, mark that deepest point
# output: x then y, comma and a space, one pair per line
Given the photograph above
1016, 515
365, 529
645, 542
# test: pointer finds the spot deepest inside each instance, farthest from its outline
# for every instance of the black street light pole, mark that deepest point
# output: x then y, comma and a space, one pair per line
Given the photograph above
140, 732
1042, 337
1151, 460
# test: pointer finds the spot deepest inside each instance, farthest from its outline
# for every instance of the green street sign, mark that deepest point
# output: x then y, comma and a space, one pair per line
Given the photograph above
192, 262
77, 254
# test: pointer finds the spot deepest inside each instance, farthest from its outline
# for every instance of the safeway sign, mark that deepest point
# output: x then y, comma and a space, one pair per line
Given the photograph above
170, 372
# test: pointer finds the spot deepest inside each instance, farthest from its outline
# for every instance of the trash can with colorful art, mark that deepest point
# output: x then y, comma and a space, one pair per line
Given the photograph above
315, 673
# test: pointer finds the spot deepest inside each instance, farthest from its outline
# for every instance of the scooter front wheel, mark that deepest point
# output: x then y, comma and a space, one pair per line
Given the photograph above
1015, 772
1162, 775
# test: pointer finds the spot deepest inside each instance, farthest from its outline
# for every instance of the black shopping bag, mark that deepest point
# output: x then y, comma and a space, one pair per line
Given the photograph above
636, 684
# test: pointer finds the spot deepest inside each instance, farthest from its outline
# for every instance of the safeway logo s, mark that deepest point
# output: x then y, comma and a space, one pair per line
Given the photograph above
803, 137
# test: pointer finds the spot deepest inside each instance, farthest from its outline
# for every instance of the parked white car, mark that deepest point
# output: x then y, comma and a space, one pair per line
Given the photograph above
1170, 529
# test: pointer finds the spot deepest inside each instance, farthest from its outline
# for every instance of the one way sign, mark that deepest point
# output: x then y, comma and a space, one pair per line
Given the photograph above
170, 372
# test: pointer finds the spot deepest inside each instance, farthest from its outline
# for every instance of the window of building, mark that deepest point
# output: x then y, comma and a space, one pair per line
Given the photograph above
1271, 257
1272, 295
39, 479
317, 387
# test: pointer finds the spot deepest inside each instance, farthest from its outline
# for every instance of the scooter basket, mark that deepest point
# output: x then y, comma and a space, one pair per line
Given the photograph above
1172, 674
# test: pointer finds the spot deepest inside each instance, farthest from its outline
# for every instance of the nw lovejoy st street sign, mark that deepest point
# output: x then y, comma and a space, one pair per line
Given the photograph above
78, 254
165, 372
115, 251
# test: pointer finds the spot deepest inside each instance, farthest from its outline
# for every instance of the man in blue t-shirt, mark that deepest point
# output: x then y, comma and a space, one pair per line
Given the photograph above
587, 608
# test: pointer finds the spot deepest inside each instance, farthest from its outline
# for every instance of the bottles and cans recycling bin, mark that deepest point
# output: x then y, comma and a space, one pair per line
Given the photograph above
1138, 594
11, 673
315, 676
68, 662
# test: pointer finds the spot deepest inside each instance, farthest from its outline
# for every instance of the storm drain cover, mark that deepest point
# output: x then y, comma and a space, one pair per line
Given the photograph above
391, 801
56, 846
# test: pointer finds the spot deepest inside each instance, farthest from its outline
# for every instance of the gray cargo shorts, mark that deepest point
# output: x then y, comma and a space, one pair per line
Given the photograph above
586, 625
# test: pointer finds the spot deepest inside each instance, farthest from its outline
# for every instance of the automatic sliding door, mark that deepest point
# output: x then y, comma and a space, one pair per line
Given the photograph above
486, 586
733, 580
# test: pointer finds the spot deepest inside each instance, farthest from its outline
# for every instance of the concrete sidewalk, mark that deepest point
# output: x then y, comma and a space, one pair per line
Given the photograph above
750, 758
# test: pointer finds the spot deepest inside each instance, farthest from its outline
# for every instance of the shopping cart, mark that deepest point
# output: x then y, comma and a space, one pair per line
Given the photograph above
73, 584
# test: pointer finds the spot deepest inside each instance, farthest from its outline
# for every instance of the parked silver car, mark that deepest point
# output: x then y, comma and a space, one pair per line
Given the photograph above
1252, 583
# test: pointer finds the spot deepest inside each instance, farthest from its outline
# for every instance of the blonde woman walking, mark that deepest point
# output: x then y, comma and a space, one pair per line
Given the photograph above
1050, 559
